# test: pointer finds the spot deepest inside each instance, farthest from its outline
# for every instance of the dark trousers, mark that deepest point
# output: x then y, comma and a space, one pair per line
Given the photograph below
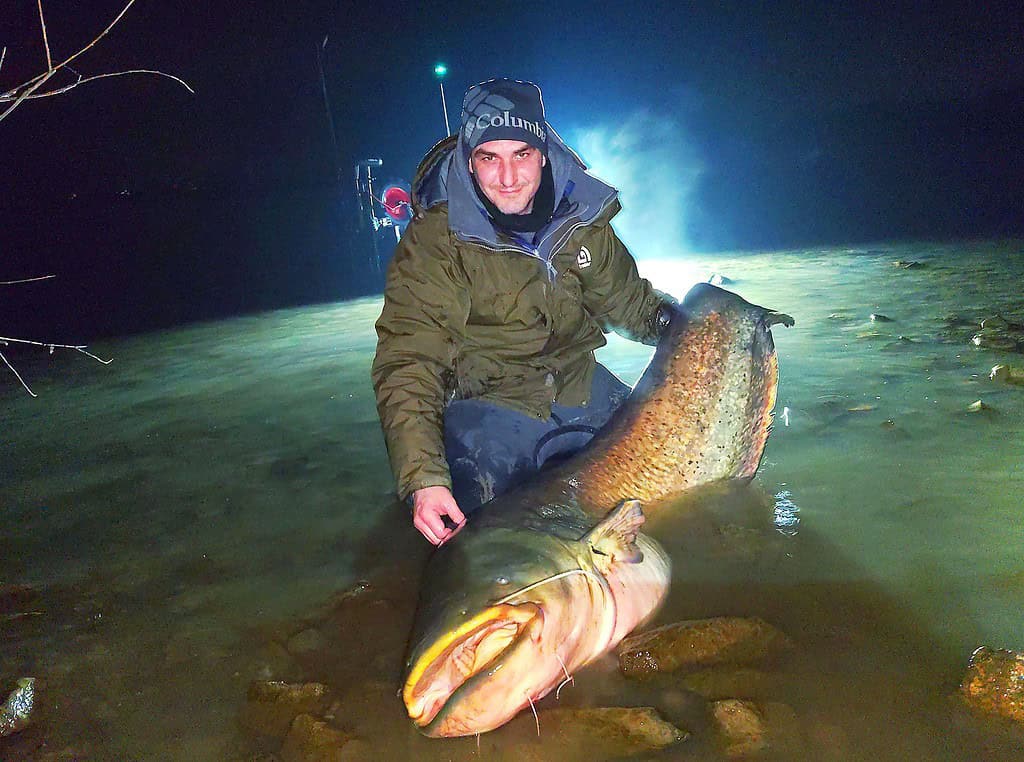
491, 448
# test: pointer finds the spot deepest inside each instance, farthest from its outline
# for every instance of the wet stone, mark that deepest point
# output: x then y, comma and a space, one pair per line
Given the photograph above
273, 663
307, 641
996, 321
875, 317
312, 740
740, 727
994, 338
16, 711
994, 683
609, 731
745, 729
272, 706
701, 643
1007, 374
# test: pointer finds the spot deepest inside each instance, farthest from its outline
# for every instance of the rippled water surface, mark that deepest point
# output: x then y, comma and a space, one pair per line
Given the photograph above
182, 513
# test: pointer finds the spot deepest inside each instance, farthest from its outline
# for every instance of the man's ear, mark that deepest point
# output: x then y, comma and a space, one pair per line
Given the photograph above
543, 160
470, 165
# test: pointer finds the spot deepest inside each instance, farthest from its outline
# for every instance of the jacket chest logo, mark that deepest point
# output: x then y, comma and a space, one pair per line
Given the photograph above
583, 259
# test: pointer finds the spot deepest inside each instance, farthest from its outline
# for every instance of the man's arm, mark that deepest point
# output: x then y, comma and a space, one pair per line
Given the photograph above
426, 303
616, 295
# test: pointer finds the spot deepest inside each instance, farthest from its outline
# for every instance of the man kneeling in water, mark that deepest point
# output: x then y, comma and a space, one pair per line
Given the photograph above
497, 296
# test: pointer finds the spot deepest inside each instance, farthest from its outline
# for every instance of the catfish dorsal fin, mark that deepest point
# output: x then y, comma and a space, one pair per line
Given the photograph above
615, 536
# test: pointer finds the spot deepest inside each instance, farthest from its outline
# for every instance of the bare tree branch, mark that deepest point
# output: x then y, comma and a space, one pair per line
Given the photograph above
26, 90
5, 340
24, 95
25, 280
17, 95
52, 346
82, 80
17, 375
73, 56
46, 42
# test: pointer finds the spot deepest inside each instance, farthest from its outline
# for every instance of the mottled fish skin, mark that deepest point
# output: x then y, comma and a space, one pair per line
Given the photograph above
701, 412
522, 598
16, 713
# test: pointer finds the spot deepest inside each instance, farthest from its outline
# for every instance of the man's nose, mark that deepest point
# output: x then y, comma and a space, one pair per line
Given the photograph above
508, 174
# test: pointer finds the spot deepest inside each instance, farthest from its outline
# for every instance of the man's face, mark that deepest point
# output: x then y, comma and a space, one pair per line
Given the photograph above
508, 172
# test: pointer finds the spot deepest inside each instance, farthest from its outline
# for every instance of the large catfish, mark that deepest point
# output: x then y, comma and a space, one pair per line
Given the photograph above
548, 577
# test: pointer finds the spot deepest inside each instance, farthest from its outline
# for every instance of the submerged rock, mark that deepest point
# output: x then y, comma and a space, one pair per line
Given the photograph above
996, 338
312, 740
1007, 374
16, 713
994, 683
700, 643
998, 322
306, 641
978, 407
272, 706
609, 731
740, 727
745, 729
876, 317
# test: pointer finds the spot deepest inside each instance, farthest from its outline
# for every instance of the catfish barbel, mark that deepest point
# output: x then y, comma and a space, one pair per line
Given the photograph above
550, 576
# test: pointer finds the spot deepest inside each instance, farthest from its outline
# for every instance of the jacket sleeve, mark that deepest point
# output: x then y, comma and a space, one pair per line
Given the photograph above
426, 302
615, 294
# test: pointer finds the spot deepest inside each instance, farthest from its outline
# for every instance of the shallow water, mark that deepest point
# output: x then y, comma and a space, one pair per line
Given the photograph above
180, 509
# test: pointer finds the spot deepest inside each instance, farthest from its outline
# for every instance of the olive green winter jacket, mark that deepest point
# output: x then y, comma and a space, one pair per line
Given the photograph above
495, 320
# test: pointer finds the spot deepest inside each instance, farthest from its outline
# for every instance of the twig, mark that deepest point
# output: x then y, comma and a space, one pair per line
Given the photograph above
24, 95
17, 375
27, 90
46, 42
82, 80
73, 56
3, 55
25, 280
49, 345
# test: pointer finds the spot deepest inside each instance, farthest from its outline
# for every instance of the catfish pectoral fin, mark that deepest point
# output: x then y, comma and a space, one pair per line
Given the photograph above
615, 535
776, 318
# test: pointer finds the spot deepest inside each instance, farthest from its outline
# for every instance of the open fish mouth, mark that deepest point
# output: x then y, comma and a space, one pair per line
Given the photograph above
455, 658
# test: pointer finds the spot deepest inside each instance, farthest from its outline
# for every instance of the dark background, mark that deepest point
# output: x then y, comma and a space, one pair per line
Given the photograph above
812, 123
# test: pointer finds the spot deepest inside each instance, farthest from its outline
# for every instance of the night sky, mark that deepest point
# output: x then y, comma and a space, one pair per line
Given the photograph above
793, 124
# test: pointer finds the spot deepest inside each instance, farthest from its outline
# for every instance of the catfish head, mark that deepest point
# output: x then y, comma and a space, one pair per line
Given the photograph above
519, 601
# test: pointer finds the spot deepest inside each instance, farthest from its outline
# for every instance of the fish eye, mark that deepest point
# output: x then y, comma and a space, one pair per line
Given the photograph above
501, 580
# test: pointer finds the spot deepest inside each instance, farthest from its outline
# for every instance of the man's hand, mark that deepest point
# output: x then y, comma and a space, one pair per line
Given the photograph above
429, 505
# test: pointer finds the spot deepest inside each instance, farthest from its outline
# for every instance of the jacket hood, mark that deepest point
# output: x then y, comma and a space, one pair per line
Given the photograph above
442, 178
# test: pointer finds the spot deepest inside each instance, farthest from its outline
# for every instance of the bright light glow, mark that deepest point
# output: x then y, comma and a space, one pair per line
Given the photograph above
440, 70
674, 276
655, 167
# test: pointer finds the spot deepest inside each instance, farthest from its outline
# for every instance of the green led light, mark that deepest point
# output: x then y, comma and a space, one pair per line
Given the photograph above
440, 70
